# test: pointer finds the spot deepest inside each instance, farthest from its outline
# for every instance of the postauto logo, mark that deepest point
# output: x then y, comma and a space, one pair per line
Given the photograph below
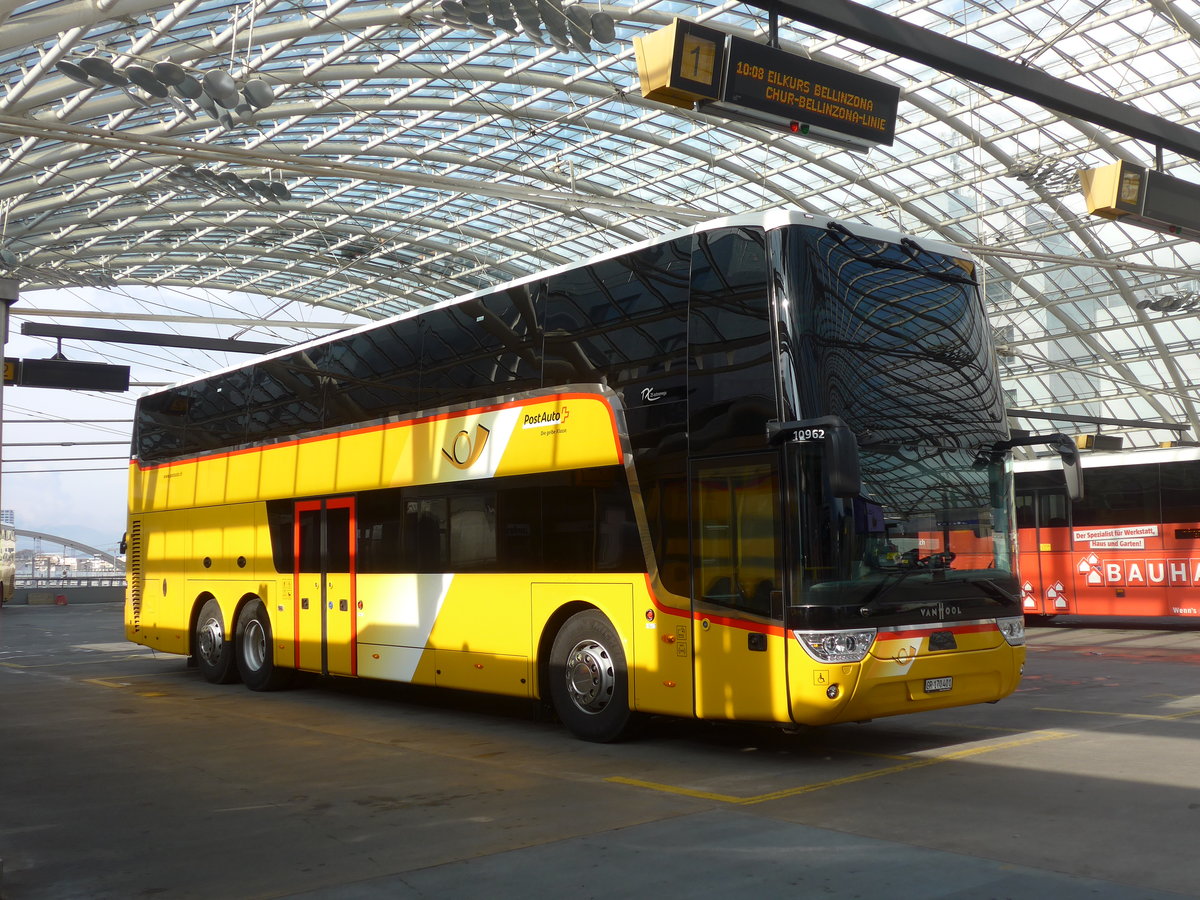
546, 418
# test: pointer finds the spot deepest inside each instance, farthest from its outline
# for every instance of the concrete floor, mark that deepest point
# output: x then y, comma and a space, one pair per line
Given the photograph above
124, 775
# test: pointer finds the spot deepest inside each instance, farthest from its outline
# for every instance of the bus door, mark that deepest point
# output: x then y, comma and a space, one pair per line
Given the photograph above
326, 621
1046, 563
737, 589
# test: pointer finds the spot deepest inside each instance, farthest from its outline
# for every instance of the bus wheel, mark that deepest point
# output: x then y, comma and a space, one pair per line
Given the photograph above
214, 654
255, 650
589, 684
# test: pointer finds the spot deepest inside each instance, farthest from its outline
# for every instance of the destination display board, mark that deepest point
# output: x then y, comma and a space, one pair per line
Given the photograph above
65, 373
791, 87
1132, 194
696, 67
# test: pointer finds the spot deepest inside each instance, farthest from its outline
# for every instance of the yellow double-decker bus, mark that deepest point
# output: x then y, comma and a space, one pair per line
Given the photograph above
757, 470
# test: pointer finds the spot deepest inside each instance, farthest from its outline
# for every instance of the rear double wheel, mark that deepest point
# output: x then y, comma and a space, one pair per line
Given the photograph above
211, 649
589, 681
256, 650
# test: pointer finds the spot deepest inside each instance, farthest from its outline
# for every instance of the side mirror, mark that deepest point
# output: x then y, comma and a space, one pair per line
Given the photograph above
1066, 449
839, 449
841, 461
1072, 471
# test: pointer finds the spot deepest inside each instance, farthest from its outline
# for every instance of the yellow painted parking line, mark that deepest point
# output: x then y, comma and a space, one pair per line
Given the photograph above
1186, 714
121, 685
107, 682
980, 727
66, 664
674, 789
913, 763
869, 754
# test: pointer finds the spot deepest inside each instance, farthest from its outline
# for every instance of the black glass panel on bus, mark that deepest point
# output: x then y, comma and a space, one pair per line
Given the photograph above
731, 375
891, 338
286, 397
621, 322
372, 374
160, 426
1118, 495
479, 349
217, 411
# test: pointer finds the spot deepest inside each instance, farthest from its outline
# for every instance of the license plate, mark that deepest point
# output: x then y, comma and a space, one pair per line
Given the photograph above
933, 685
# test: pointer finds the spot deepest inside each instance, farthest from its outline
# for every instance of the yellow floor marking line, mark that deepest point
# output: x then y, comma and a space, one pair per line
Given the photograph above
107, 682
1186, 714
869, 754
980, 727
66, 664
913, 763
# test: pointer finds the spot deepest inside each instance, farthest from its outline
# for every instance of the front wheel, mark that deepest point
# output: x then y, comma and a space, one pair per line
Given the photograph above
213, 652
589, 683
256, 650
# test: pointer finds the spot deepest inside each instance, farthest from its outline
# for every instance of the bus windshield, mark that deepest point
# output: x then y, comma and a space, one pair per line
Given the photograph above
925, 516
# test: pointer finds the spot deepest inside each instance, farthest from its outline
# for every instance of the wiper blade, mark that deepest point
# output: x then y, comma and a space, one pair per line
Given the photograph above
990, 588
885, 585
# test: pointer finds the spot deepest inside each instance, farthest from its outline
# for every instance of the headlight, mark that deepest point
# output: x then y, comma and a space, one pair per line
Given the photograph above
836, 646
1013, 630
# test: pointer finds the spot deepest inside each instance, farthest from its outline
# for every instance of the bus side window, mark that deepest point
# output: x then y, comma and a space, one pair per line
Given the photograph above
1119, 496
1053, 509
308, 553
1026, 514
426, 535
737, 536
1180, 491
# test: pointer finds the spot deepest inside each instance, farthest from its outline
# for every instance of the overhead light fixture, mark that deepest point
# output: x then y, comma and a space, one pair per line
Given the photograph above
1057, 177
228, 184
1168, 303
573, 26
215, 92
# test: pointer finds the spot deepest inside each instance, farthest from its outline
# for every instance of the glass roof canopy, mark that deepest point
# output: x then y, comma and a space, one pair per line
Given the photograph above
403, 159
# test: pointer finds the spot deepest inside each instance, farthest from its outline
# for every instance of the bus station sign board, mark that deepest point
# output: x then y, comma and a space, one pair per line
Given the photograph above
65, 373
794, 88
696, 67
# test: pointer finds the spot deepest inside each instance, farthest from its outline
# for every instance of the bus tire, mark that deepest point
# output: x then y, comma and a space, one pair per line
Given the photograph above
255, 650
589, 682
211, 646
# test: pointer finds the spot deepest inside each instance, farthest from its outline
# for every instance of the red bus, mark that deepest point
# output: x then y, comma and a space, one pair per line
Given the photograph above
1129, 547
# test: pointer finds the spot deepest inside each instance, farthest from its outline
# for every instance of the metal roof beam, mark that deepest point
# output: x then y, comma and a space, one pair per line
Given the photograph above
885, 32
1094, 420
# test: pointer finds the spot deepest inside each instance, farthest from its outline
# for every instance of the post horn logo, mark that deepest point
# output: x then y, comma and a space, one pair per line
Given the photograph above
464, 450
